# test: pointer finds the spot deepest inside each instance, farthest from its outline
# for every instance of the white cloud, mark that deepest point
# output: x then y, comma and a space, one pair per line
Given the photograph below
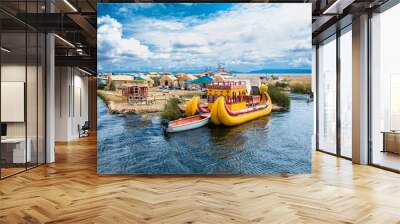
156, 24
112, 42
123, 10
247, 36
300, 62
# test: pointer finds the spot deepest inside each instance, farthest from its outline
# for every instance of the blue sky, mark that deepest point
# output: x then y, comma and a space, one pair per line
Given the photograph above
195, 36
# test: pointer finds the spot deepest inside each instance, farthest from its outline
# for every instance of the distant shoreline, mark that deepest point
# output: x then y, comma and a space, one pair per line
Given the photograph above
277, 74
262, 71
233, 73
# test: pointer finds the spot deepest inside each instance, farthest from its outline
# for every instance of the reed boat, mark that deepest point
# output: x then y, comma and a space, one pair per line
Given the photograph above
230, 104
193, 107
188, 123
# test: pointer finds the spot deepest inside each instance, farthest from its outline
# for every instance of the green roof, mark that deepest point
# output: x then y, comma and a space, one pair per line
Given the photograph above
139, 78
202, 80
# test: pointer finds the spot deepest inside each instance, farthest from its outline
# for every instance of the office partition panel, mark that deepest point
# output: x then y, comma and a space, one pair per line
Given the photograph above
15, 148
22, 77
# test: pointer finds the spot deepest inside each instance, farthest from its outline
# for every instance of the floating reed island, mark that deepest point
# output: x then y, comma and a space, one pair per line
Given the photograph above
155, 102
118, 104
130, 94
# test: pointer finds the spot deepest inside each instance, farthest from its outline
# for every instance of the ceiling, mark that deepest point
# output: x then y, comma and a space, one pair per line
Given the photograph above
75, 21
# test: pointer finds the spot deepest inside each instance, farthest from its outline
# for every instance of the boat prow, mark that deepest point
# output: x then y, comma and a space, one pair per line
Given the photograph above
221, 114
193, 107
188, 123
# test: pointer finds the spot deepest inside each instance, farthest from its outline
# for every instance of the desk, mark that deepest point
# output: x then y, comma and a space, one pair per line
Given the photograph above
16, 147
391, 141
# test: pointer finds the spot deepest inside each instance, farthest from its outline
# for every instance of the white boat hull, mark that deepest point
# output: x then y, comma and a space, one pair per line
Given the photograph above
186, 127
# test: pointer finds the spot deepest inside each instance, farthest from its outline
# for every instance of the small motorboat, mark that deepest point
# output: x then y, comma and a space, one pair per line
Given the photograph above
188, 123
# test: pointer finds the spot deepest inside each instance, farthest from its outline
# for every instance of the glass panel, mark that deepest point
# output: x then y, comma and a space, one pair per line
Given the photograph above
13, 86
327, 96
31, 98
386, 89
346, 94
32, 87
23, 90
41, 99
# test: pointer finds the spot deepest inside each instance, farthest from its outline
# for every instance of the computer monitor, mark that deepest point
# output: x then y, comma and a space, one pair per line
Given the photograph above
3, 130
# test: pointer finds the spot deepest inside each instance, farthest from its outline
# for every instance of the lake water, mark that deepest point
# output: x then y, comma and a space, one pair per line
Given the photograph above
279, 143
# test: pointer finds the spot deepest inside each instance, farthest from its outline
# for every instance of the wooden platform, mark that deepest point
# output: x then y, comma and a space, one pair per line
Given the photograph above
70, 191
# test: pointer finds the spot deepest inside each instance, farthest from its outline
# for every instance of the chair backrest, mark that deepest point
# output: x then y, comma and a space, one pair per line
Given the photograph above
86, 125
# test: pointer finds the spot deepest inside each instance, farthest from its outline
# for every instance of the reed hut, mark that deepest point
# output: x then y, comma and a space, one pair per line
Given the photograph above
169, 81
120, 80
135, 93
183, 78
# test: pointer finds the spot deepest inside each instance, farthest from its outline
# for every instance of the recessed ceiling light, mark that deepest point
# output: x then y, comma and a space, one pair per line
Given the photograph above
64, 40
70, 5
86, 72
338, 6
5, 50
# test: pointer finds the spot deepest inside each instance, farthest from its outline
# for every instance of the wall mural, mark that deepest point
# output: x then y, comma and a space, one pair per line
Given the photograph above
204, 88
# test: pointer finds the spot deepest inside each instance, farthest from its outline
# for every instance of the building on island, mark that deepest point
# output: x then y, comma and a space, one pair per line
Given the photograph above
101, 81
135, 93
221, 76
153, 74
168, 81
123, 79
182, 78
120, 80
205, 73
202, 81
144, 79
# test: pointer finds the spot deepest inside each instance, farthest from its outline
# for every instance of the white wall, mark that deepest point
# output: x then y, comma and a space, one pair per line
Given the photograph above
33, 126
62, 82
71, 102
80, 110
12, 73
17, 73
